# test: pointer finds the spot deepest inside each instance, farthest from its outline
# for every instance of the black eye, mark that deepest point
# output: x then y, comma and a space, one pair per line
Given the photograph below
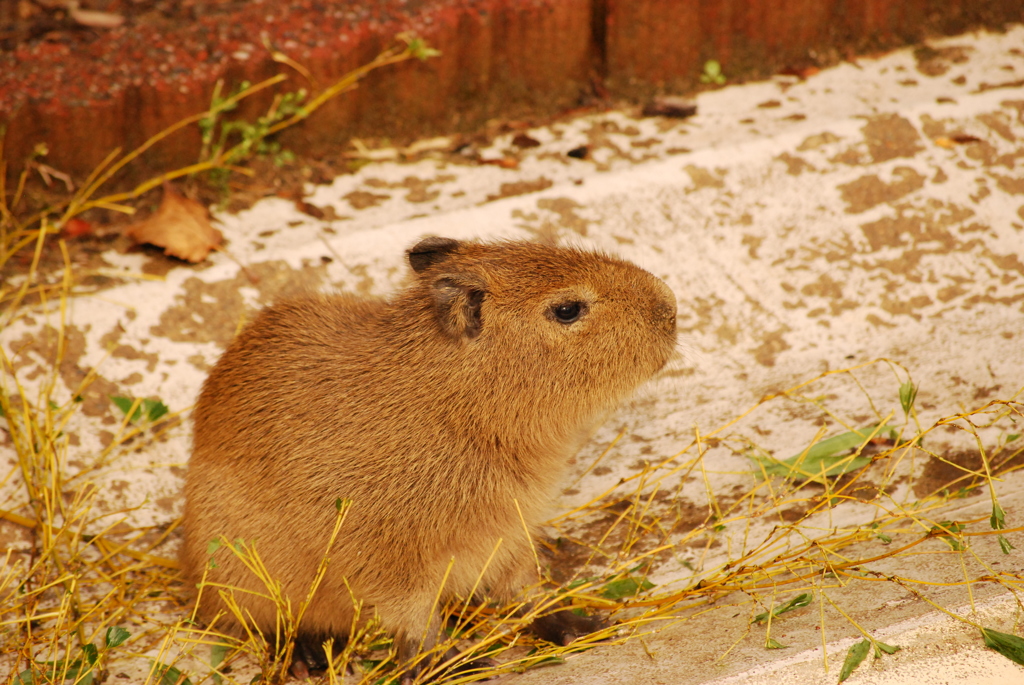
567, 312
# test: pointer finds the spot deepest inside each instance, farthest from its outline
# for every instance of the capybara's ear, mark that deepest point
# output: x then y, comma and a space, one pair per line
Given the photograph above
457, 301
430, 251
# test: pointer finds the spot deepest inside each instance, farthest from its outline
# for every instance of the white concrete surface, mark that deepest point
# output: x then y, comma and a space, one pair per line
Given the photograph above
805, 226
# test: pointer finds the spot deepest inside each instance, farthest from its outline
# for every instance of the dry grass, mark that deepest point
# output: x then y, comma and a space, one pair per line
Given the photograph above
81, 592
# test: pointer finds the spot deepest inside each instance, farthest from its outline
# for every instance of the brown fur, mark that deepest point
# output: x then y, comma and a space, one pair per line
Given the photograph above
435, 412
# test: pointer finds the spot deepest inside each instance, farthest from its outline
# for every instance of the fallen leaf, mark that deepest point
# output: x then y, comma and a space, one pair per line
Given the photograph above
626, 587
670, 106
524, 141
853, 659
800, 72
1010, 646
181, 226
310, 209
76, 228
503, 162
957, 139
826, 459
797, 602
579, 152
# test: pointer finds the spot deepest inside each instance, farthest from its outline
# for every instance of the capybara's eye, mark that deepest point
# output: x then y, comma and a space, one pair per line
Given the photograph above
568, 312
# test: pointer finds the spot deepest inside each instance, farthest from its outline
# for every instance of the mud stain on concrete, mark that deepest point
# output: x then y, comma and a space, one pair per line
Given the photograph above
830, 289
215, 311
700, 314
937, 61
955, 470
362, 199
772, 344
890, 136
565, 209
419, 188
818, 140
909, 307
704, 178
1000, 123
39, 352
1014, 185
886, 137
870, 191
520, 188
912, 226
795, 165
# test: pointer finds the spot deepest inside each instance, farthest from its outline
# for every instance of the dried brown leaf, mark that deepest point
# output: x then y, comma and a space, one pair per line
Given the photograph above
181, 226
524, 141
670, 106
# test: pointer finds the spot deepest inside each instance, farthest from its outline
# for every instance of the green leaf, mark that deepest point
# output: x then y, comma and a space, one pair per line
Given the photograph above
125, 405
625, 587
945, 528
853, 658
90, 652
213, 545
1010, 646
947, 531
154, 409
772, 643
549, 660
171, 675
52, 670
800, 600
712, 72
1004, 544
546, 661
115, 637
150, 409
581, 581
217, 654
1012, 436
908, 393
883, 537
24, 678
954, 544
419, 49
888, 649
998, 518
74, 668
828, 458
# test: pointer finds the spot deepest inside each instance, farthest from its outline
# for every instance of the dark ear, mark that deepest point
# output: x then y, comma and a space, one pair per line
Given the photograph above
430, 251
457, 301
